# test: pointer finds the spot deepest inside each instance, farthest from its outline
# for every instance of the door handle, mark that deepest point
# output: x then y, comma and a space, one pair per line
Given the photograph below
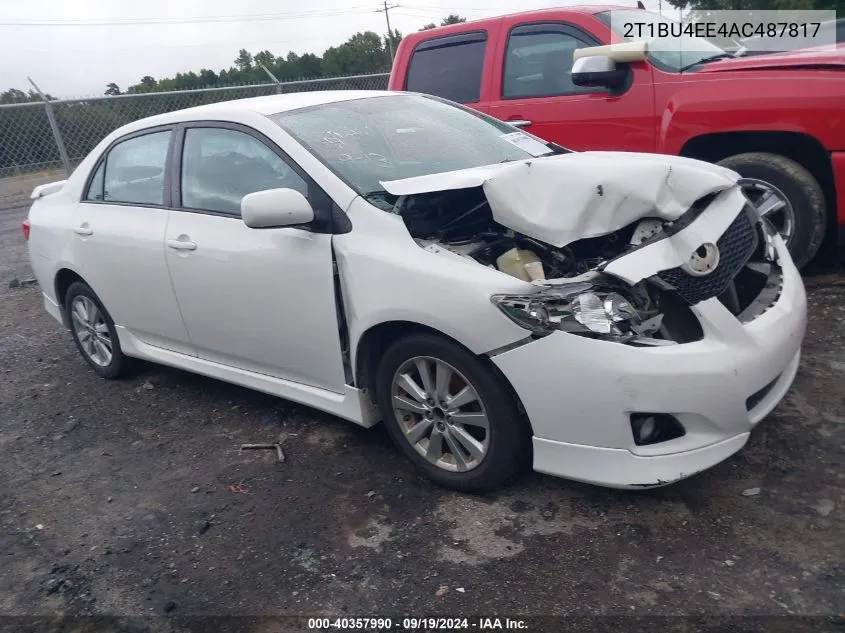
83, 229
520, 123
182, 245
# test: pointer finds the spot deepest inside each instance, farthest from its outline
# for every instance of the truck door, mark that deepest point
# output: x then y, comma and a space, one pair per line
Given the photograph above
534, 90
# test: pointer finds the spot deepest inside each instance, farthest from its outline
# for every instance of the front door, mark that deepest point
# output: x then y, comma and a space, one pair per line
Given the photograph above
118, 240
535, 91
261, 300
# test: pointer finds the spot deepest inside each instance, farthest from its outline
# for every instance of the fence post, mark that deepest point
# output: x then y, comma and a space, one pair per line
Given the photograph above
273, 77
54, 126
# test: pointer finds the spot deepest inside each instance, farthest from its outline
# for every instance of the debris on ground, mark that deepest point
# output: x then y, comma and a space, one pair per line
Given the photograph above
277, 447
460, 590
750, 492
371, 494
442, 591
195, 489
148, 386
19, 283
239, 487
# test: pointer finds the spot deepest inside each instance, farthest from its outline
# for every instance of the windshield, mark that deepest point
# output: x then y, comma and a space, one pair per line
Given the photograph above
668, 53
366, 141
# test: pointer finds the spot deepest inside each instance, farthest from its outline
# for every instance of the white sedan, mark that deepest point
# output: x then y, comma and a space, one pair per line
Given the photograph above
614, 318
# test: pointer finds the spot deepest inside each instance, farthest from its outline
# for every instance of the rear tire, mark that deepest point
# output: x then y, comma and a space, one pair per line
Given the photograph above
94, 332
801, 190
442, 434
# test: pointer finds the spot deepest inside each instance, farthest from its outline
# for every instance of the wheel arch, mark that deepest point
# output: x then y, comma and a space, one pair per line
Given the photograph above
64, 278
374, 341
804, 149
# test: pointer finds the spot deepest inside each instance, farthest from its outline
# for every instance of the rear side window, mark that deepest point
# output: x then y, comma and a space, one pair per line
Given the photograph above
449, 67
133, 171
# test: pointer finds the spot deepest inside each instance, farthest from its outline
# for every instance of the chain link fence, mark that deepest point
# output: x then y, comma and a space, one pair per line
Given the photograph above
29, 142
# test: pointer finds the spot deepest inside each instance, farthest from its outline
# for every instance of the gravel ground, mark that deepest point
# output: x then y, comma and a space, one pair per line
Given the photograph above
130, 498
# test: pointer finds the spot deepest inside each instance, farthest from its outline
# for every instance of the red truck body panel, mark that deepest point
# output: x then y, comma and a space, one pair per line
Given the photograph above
801, 92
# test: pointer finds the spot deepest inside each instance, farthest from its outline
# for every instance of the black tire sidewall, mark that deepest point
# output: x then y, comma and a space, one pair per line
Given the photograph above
801, 189
509, 444
118, 362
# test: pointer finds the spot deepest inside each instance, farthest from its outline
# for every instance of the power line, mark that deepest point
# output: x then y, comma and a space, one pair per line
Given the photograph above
195, 19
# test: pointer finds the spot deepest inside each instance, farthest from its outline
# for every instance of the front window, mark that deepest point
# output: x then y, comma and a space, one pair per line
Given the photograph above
367, 141
674, 54
220, 166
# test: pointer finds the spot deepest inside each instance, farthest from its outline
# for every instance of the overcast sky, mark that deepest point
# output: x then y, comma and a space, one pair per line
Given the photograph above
70, 56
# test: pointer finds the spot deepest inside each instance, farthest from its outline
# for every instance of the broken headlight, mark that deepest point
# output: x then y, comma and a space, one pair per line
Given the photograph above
578, 308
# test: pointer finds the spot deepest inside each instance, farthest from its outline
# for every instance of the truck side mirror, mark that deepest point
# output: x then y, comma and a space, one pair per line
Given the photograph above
599, 71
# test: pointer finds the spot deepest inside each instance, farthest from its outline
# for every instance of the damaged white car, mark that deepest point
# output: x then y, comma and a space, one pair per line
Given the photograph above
619, 319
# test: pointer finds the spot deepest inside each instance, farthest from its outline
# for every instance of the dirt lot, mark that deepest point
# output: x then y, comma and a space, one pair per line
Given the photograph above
130, 498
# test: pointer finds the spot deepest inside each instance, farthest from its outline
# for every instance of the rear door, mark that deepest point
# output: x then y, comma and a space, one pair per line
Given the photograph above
452, 67
534, 90
118, 238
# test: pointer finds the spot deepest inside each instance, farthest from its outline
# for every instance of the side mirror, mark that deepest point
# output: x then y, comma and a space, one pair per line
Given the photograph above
598, 71
274, 208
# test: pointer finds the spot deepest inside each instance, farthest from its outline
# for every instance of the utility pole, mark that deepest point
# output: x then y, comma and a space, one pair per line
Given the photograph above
386, 11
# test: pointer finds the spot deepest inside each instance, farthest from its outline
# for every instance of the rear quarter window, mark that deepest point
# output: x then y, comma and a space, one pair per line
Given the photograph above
449, 67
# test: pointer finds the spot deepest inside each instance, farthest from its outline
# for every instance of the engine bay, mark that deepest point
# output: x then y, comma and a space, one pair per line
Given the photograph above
650, 312
461, 221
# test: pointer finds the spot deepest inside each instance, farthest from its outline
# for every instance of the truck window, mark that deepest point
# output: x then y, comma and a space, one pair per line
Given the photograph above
538, 61
449, 67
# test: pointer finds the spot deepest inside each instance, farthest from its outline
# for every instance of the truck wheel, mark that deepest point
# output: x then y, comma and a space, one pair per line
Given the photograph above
788, 195
450, 414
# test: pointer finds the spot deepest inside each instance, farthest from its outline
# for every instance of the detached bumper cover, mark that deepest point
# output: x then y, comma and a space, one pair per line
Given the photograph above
579, 393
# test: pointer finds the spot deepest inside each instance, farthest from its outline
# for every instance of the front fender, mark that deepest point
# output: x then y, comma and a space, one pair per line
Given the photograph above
385, 276
783, 101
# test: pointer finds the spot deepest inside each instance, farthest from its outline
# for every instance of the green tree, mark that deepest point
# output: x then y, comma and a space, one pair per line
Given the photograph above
243, 61
362, 53
452, 19
759, 5
112, 89
265, 58
449, 19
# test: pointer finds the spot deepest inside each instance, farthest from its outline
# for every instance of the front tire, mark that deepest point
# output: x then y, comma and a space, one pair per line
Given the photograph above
789, 195
94, 332
450, 414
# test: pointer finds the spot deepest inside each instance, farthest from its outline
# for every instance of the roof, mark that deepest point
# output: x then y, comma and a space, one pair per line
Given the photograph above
470, 25
271, 104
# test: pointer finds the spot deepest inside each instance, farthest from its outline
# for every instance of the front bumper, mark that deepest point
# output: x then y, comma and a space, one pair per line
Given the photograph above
579, 393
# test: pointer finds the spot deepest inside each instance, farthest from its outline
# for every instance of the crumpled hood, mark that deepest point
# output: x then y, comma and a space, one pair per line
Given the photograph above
565, 198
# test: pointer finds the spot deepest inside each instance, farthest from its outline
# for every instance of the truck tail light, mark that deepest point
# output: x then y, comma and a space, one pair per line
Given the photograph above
25, 227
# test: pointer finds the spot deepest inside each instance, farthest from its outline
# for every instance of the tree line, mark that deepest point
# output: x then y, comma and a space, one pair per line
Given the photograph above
362, 53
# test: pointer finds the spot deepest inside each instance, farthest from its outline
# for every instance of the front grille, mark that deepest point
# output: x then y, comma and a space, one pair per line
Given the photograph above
735, 247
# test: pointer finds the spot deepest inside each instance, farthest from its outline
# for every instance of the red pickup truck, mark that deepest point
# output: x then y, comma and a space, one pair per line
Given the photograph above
778, 119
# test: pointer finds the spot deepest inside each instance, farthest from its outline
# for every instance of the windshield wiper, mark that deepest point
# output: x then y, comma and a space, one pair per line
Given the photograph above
712, 58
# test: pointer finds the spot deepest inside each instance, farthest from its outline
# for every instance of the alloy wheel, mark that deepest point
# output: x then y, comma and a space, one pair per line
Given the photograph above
440, 414
90, 329
772, 204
